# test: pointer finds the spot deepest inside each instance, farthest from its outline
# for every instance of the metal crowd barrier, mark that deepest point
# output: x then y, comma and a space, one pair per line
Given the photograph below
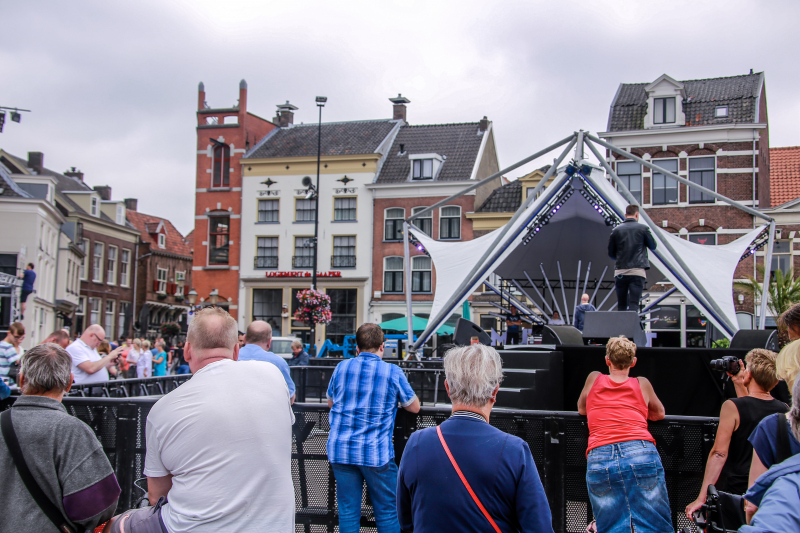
128, 388
557, 441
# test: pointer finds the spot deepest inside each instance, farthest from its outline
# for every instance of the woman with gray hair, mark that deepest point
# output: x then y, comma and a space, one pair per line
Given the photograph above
466, 475
777, 492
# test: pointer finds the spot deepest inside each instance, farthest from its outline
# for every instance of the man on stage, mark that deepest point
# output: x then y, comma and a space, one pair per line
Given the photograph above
513, 325
626, 246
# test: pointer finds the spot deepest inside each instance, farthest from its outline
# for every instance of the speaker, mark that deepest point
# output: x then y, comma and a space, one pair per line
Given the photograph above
561, 335
607, 324
747, 339
465, 330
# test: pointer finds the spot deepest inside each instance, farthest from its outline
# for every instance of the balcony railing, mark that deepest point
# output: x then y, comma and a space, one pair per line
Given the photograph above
343, 261
265, 262
302, 261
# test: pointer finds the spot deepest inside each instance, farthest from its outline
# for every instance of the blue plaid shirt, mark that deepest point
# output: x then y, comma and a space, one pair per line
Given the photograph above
365, 392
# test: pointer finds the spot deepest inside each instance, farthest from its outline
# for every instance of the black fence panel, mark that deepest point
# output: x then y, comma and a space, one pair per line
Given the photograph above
128, 388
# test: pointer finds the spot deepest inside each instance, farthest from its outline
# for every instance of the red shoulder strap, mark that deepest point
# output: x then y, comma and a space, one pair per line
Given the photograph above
464, 480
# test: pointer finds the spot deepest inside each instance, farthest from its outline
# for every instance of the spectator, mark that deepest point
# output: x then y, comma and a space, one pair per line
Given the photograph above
133, 358
498, 467
87, 364
10, 351
183, 366
729, 462
581, 310
777, 492
154, 350
258, 340
160, 359
627, 487
555, 320
59, 337
64, 456
363, 395
299, 354
241, 338
28, 279
144, 367
211, 465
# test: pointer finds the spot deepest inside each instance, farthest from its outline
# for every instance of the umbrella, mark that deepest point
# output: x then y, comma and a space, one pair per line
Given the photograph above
465, 311
418, 323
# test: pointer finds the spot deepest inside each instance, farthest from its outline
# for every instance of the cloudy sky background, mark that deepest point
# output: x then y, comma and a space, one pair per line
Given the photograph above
112, 85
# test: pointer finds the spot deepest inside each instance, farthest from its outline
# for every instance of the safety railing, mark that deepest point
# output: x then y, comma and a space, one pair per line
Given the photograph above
128, 388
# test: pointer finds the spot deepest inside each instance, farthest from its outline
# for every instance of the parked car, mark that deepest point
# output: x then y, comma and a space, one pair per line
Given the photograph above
283, 346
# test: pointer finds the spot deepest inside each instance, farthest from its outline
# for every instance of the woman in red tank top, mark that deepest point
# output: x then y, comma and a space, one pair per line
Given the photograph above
624, 474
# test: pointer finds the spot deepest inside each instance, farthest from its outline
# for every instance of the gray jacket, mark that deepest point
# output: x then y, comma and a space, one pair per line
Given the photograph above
66, 460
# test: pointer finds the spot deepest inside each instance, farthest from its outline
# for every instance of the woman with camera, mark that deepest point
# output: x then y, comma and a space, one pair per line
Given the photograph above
728, 463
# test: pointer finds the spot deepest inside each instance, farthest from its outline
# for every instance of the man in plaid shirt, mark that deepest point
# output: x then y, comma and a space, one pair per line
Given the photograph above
363, 396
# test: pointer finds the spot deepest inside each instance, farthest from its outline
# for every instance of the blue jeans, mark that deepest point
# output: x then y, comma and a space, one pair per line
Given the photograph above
627, 486
382, 487
183, 369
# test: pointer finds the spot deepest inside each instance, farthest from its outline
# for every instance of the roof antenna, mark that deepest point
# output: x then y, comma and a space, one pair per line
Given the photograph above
751, 71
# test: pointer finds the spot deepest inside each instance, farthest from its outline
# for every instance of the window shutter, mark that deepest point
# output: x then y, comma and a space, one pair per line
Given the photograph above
155, 285
172, 288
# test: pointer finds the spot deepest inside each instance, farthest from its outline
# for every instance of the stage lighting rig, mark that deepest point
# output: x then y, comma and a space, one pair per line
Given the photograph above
761, 241
549, 210
416, 244
600, 205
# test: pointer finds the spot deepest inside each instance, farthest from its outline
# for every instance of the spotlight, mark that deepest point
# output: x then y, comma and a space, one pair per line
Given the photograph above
420, 247
586, 170
571, 170
15, 117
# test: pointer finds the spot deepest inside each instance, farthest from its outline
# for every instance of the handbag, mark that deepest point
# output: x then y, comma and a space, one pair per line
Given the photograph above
48, 507
464, 480
784, 448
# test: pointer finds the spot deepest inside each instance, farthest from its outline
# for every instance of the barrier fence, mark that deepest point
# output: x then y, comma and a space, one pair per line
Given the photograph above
557, 441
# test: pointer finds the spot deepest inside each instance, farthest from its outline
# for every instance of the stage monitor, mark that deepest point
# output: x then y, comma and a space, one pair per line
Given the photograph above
465, 330
747, 339
602, 325
561, 335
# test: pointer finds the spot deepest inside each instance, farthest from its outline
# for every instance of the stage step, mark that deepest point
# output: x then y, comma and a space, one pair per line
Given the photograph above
526, 378
517, 398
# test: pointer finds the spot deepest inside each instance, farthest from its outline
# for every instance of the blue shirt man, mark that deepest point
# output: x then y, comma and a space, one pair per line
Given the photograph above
258, 339
363, 395
580, 311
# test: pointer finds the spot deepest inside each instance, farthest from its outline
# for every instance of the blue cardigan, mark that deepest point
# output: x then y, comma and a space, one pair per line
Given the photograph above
499, 467
777, 495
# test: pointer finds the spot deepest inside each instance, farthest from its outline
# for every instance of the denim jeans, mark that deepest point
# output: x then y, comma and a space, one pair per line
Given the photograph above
183, 369
629, 292
382, 487
627, 486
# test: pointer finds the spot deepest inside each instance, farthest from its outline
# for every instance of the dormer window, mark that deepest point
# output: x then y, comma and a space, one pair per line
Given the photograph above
120, 214
721, 111
94, 206
162, 240
664, 112
423, 169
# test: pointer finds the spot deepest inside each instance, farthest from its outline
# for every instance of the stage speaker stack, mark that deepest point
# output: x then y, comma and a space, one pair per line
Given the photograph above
465, 330
747, 339
561, 335
602, 325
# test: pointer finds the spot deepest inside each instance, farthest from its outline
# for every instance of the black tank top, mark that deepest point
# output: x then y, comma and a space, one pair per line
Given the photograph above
736, 471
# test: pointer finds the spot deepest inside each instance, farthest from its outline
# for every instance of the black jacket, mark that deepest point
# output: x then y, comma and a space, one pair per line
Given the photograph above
627, 244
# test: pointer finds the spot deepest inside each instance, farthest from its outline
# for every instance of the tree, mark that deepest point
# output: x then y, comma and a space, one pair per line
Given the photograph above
784, 291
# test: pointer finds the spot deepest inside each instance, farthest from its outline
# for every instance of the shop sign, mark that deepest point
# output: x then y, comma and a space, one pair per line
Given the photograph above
303, 274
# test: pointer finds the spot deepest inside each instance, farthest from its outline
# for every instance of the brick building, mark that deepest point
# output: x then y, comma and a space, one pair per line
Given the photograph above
224, 134
164, 272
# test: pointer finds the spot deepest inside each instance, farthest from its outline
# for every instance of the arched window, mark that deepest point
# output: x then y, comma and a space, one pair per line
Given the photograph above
393, 223
425, 223
421, 274
221, 165
450, 222
393, 274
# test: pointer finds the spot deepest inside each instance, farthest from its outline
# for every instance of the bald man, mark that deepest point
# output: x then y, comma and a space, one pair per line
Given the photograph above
258, 340
581, 310
87, 365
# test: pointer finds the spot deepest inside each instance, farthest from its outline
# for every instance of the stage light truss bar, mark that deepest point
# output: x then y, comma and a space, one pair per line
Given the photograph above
548, 211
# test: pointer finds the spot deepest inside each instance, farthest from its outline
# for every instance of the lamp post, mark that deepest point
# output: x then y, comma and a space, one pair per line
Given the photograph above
213, 297
320, 104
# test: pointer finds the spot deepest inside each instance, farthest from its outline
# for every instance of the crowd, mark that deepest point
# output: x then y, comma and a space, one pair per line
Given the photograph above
212, 465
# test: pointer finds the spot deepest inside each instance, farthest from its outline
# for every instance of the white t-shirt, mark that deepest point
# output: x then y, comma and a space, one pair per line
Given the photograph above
145, 363
133, 356
81, 353
226, 437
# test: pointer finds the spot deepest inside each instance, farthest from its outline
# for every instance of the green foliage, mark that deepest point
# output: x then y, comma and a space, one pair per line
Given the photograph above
170, 329
784, 291
721, 343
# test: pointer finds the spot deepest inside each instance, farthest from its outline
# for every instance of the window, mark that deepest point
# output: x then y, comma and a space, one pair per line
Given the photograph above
111, 266
221, 165
781, 257
94, 311
179, 289
665, 188
701, 172
344, 308
721, 111
122, 317
303, 252
80, 311
97, 263
421, 274
708, 239
94, 203
450, 222
161, 278
124, 268
84, 246
304, 210
344, 208
344, 252
393, 274
266, 252
218, 240
268, 210
180, 275
423, 169
295, 307
630, 174
109, 323
425, 223
162, 240
664, 111
666, 326
120, 214
393, 224
267, 306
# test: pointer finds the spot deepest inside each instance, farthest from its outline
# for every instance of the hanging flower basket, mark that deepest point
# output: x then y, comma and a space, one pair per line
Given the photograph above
314, 308
170, 329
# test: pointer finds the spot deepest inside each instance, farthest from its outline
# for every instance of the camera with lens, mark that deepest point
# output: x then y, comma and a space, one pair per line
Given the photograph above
728, 363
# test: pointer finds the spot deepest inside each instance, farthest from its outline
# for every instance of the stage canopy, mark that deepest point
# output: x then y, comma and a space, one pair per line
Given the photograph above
562, 234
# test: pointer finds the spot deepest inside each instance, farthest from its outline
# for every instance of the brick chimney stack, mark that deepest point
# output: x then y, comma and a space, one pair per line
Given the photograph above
104, 191
399, 107
36, 161
285, 117
74, 173
484, 124
201, 96
131, 204
242, 98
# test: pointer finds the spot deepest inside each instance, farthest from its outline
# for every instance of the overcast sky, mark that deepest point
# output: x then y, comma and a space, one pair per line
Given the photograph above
113, 85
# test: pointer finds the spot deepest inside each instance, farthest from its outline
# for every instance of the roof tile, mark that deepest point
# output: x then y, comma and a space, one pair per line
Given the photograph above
784, 174
175, 242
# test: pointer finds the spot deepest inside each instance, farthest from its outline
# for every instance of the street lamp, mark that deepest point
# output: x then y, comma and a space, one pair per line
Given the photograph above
192, 297
320, 104
213, 297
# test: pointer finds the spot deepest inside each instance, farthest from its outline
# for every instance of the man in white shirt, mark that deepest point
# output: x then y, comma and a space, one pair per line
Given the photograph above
211, 464
87, 365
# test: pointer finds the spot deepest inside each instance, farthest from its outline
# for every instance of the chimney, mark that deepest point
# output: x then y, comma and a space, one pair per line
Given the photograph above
131, 204
104, 191
74, 173
201, 96
36, 161
242, 98
285, 116
399, 107
484, 124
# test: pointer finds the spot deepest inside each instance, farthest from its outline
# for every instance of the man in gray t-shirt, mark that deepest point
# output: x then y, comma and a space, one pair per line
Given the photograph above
63, 454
